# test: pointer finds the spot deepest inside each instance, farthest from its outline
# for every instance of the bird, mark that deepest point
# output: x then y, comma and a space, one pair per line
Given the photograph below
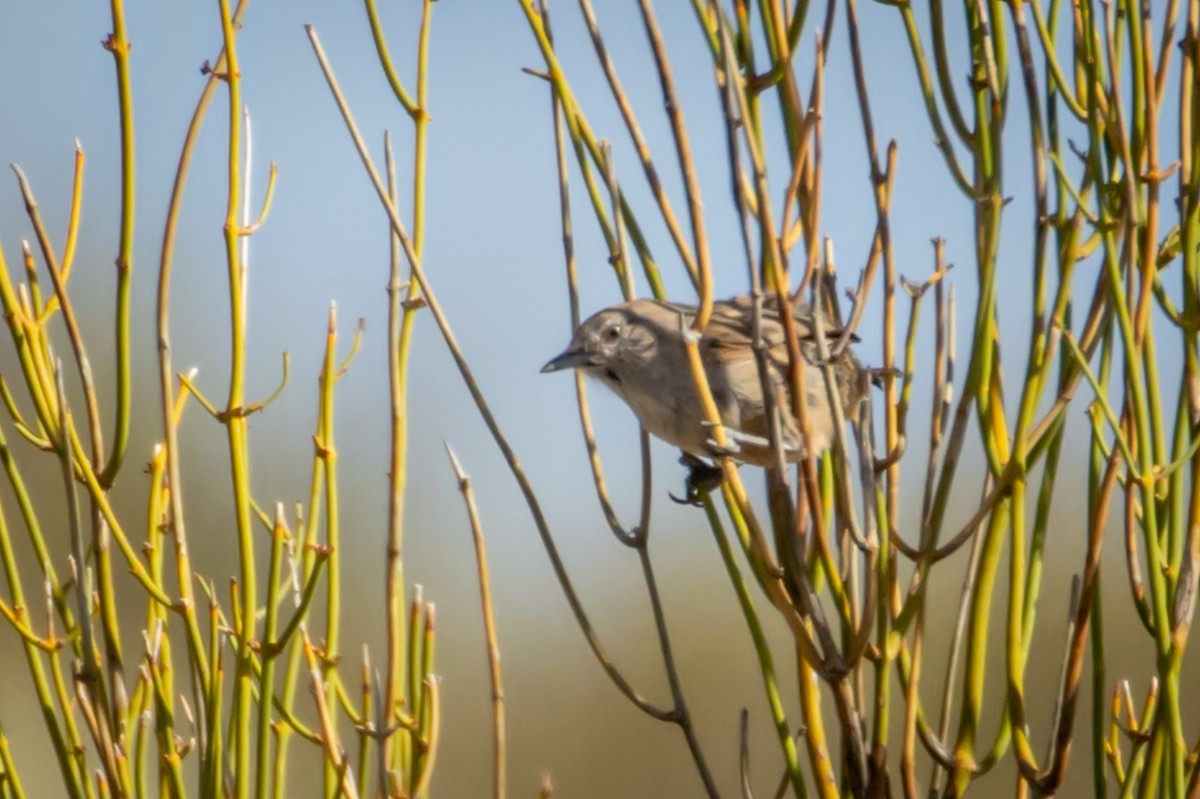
637, 350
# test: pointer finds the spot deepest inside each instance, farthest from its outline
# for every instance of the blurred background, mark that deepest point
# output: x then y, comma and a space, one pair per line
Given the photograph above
494, 255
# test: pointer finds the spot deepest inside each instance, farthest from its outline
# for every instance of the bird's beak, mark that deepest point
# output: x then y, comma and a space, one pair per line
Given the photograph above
568, 359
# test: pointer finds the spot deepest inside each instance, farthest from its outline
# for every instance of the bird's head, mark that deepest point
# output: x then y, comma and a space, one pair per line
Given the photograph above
608, 346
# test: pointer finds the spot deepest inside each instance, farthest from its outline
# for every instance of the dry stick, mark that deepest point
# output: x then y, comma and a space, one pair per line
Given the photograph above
489, 627
691, 336
687, 169
833, 665
859, 638
830, 664
681, 715
738, 114
98, 729
627, 537
1133, 566
617, 257
632, 536
775, 264
738, 183
936, 745
874, 256
797, 124
882, 181
868, 545
82, 362
564, 193
638, 538
790, 232
394, 582
585, 144
620, 260
943, 380
334, 752
639, 141
384, 729
1050, 780
916, 293
805, 181
744, 754
59, 275
472, 385
814, 166
1165, 48
735, 119
883, 195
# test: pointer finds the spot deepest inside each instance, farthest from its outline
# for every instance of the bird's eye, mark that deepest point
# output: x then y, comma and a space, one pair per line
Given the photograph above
613, 332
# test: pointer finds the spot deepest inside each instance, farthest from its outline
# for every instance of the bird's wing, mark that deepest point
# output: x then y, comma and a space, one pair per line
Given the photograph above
729, 333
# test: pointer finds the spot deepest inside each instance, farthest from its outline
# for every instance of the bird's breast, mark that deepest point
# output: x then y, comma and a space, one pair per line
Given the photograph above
669, 409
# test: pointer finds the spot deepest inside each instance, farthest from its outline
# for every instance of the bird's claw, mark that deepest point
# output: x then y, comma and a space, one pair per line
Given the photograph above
702, 477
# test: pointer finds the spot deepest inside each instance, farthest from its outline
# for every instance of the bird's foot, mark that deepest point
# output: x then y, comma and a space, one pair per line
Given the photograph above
736, 439
702, 477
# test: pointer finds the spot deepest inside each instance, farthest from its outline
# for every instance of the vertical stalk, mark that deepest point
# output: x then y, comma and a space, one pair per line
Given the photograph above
241, 735
267, 677
327, 448
118, 44
401, 319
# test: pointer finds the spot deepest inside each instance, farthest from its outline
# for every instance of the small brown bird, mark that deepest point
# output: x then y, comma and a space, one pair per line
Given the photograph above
637, 350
